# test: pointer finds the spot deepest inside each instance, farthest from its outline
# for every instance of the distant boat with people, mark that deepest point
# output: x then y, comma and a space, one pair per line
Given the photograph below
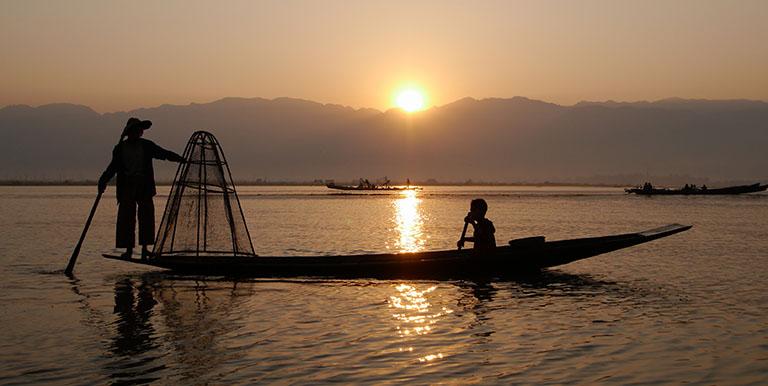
364, 184
690, 190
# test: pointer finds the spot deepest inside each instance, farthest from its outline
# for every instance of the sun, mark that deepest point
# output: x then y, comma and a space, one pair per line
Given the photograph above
410, 100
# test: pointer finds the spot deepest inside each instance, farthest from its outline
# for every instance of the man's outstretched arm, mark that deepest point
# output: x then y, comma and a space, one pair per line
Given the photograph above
163, 154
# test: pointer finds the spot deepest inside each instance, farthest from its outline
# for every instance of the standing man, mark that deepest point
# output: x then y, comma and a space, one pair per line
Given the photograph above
132, 162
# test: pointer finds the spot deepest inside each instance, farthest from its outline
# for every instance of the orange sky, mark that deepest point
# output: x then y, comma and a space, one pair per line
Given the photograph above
122, 55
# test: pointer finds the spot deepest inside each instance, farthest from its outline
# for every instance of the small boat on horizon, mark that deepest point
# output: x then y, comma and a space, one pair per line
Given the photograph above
364, 184
692, 190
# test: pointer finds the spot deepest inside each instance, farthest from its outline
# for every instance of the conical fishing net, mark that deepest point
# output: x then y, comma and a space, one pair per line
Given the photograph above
203, 216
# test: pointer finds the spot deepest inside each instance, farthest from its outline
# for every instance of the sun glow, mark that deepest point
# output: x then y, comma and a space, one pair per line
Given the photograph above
410, 100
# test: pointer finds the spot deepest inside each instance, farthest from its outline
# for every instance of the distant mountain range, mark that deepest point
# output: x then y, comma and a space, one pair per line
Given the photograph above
510, 140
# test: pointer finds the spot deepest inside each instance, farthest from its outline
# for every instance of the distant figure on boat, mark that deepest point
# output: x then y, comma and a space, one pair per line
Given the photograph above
132, 162
647, 187
483, 235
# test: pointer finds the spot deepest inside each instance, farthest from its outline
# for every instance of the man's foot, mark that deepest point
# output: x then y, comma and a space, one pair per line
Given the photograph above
127, 254
145, 254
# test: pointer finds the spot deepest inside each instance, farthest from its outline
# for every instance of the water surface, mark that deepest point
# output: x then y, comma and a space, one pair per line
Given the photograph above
688, 308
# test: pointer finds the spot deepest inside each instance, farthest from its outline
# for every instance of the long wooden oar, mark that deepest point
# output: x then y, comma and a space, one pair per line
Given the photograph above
73, 258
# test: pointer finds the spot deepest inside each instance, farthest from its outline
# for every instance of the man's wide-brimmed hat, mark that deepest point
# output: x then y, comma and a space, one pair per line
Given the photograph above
135, 123
138, 123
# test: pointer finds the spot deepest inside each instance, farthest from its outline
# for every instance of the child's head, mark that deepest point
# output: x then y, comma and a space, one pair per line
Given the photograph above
478, 207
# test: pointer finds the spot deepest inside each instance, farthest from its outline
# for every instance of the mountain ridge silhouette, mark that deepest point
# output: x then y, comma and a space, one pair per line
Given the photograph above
490, 139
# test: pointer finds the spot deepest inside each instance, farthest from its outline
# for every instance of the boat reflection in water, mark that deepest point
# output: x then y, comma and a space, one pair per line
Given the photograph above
157, 316
172, 329
408, 219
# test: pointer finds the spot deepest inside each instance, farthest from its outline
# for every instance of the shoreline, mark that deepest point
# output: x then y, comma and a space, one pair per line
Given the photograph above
310, 183
413, 183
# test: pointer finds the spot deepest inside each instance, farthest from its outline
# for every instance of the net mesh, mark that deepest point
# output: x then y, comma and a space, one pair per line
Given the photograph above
203, 216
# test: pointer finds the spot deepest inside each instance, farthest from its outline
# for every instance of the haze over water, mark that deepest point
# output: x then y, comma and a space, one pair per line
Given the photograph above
688, 308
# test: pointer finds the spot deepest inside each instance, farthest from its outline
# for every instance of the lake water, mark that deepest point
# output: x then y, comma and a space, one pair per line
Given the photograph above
690, 308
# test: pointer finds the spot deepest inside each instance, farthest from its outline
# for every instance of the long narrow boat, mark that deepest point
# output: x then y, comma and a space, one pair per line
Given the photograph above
741, 189
377, 188
520, 256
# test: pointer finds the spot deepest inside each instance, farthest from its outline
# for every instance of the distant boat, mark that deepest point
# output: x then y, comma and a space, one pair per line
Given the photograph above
648, 190
520, 256
366, 185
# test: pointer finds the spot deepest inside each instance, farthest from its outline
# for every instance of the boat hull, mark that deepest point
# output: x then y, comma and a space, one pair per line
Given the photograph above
372, 189
754, 188
510, 260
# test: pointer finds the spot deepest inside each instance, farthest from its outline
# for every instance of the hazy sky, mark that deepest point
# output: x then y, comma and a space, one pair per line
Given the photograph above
117, 55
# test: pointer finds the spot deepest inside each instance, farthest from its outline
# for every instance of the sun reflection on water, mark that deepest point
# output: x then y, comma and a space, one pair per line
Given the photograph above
409, 222
414, 316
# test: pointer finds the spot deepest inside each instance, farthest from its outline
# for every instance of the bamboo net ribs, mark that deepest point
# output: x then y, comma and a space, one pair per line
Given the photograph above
203, 216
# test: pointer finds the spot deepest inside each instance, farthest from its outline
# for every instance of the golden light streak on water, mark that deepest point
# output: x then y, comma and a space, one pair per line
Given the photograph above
409, 222
414, 317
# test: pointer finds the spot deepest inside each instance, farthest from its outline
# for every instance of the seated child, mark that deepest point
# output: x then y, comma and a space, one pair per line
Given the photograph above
483, 235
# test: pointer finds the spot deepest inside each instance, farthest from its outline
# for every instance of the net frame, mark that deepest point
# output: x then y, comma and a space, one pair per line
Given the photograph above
165, 240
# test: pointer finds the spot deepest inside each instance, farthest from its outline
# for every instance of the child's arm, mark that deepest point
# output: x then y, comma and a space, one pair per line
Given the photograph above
471, 239
460, 243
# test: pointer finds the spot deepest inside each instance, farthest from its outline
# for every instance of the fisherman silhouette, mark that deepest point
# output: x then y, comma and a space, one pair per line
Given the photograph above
132, 162
483, 235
